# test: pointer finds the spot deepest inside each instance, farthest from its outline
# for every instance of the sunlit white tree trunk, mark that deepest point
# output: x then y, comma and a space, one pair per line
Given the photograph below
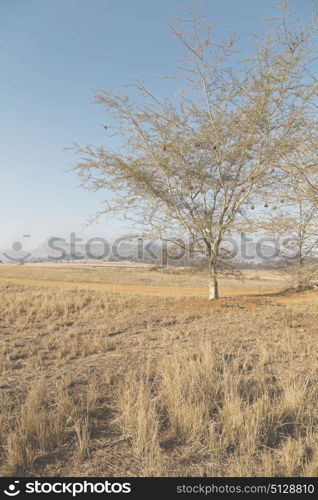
213, 283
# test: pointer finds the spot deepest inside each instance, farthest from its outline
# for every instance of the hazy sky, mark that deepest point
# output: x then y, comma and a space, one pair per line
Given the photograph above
53, 54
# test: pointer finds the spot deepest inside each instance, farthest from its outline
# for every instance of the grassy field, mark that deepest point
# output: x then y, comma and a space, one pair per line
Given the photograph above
169, 277
119, 384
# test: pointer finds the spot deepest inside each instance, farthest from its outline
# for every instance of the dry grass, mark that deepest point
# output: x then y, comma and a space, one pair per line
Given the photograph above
104, 384
261, 279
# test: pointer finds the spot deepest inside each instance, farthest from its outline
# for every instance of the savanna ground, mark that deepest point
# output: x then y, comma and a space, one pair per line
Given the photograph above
146, 383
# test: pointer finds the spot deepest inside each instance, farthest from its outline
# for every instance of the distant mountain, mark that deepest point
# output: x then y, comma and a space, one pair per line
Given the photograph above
249, 253
55, 249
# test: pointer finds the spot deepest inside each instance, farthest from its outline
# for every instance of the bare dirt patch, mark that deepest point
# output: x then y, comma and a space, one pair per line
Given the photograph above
157, 290
241, 289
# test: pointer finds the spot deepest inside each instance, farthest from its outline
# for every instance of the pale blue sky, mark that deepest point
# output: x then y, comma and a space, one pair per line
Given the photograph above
53, 54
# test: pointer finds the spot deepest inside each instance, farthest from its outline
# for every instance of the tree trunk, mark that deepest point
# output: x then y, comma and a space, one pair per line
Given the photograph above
213, 283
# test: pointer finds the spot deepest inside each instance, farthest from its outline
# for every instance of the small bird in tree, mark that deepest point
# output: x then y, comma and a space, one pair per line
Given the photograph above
105, 127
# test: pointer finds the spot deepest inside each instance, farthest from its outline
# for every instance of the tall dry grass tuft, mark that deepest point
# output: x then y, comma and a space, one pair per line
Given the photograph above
189, 392
220, 407
139, 420
44, 423
82, 429
39, 427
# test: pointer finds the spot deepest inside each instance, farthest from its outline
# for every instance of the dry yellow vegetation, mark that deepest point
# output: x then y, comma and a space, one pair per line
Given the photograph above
97, 383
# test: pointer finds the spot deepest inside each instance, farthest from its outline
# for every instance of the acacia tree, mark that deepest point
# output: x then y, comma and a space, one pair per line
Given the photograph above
293, 219
301, 167
193, 162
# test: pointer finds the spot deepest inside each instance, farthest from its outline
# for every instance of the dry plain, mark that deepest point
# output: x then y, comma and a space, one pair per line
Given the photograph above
116, 371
